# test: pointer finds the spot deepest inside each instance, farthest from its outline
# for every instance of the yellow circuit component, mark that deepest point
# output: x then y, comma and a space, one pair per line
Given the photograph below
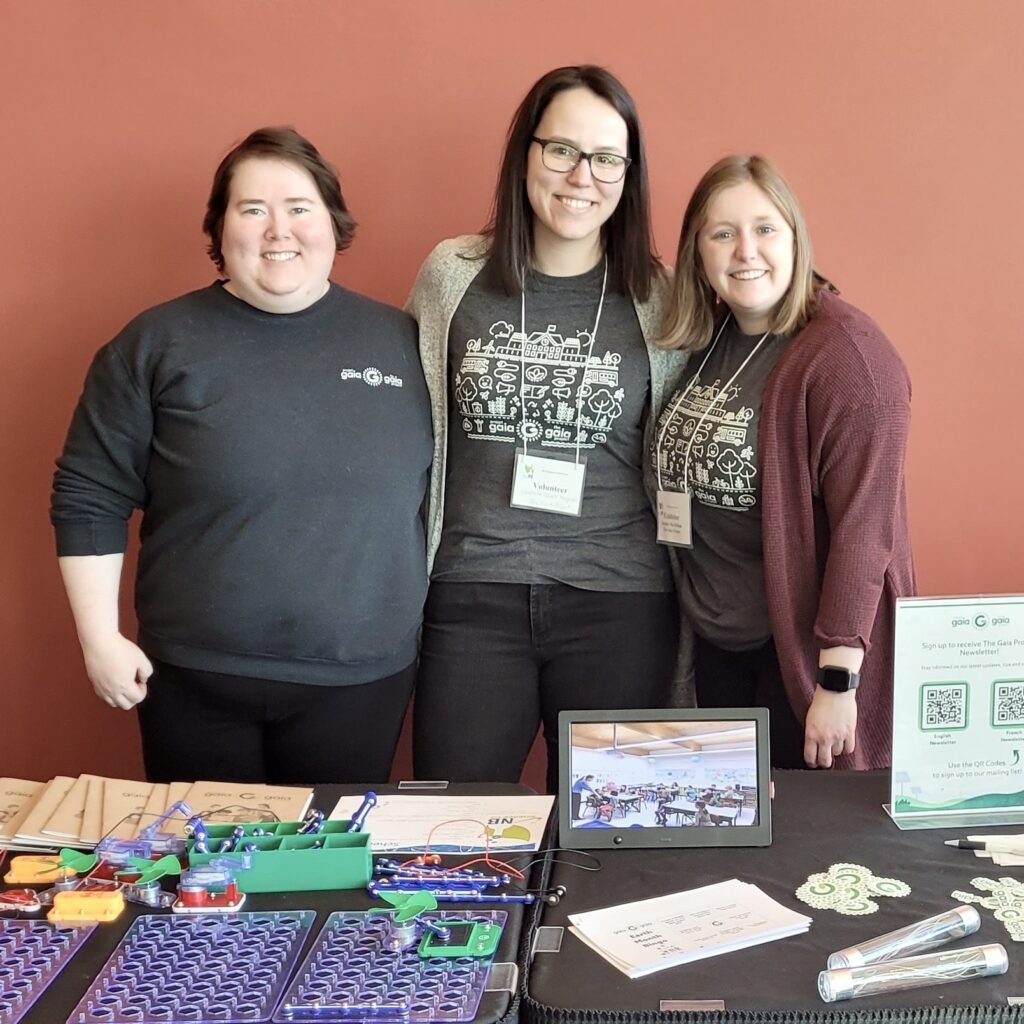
36, 870
86, 906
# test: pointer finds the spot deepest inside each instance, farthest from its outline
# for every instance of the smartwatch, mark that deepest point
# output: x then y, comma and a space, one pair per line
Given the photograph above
838, 680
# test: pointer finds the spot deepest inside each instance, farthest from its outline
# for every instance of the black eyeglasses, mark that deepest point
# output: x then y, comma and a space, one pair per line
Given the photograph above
563, 158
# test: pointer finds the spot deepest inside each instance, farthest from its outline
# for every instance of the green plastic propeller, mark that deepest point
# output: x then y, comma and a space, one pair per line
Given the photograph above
75, 860
409, 904
150, 870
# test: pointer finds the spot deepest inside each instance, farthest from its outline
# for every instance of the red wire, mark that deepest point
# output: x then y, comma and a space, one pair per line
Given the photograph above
17, 897
500, 866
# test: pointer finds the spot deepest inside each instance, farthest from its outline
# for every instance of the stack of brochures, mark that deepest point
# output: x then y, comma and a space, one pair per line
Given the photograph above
651, 935
80, 812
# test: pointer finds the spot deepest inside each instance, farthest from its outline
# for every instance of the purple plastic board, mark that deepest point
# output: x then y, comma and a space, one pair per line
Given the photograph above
351, 974
228, 968
32, 954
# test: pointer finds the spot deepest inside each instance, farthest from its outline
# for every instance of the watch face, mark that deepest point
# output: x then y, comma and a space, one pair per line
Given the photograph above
838, 680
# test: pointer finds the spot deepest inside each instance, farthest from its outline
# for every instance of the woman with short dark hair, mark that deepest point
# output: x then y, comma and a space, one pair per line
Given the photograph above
274, 430
548, 591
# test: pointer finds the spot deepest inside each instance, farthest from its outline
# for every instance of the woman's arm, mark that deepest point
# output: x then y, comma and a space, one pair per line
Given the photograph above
862, 485
830, 728
116, 667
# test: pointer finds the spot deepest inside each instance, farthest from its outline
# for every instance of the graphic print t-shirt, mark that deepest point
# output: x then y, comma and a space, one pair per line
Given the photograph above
556, 384
722, 589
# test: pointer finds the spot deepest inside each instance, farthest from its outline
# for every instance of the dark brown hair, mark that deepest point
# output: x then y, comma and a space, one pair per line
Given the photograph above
691, 316
628, 246
278, 144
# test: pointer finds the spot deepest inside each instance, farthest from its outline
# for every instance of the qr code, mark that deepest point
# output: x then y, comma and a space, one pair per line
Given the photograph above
944, 706
1008, 702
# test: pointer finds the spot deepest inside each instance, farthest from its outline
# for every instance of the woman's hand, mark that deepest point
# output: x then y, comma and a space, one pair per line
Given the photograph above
118, 671
116, 667
830, 727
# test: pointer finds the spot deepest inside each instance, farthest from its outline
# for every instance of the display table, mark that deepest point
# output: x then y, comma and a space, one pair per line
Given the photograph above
75, 979
819, 819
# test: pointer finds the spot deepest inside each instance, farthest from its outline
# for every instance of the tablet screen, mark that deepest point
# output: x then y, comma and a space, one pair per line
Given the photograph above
667, 777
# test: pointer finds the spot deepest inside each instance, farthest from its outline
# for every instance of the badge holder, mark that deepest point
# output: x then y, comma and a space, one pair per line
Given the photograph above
544, 483
675, 525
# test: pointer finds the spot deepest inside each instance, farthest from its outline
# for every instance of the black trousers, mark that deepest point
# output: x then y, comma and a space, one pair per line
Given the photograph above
497, 659
207, 725
750, 679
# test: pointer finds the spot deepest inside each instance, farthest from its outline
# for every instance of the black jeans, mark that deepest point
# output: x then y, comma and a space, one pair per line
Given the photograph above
207, 725
498, 659
750, 679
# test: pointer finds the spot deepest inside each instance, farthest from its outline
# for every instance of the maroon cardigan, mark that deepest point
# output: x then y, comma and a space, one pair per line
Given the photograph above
832, 439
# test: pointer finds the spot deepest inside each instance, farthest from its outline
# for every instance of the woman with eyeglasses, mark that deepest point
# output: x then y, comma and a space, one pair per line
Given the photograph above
547, 590
780, 471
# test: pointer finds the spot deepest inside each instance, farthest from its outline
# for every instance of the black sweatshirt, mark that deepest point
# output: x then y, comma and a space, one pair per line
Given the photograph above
280, 461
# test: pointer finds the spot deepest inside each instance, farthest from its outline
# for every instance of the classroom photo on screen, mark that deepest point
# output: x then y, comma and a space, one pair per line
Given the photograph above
664, 774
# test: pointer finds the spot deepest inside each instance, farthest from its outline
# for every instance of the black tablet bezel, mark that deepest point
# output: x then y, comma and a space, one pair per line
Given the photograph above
757, 834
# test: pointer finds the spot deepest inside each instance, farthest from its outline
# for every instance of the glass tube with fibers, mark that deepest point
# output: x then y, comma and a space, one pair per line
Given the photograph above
912, 972
909, 941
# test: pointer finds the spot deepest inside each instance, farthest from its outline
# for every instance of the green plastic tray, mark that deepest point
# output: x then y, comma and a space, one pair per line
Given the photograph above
285, 861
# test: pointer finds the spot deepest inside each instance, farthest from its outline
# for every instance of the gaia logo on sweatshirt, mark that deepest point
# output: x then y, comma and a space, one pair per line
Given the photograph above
373, 377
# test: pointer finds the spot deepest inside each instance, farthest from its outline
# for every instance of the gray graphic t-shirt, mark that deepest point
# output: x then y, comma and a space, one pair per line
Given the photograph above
558, 385
722, 589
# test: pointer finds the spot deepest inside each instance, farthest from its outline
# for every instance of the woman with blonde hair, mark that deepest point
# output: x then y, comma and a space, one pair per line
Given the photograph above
780, 471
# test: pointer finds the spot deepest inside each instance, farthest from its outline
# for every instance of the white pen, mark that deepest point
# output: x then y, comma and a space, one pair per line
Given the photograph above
990, 844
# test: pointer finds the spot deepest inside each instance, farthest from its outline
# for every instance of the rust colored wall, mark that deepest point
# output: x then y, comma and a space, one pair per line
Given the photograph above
898, 125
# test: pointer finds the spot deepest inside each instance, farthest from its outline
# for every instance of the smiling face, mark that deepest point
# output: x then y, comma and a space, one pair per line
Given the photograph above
278, 240
746, 251
569, 210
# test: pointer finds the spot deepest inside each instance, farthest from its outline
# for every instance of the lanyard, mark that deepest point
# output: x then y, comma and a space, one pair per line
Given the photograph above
722, 391
586, 365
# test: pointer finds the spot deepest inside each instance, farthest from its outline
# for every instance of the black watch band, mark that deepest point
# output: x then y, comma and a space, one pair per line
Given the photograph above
838, 680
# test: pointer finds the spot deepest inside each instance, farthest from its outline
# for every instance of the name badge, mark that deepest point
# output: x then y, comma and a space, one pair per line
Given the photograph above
546, 484
674, 523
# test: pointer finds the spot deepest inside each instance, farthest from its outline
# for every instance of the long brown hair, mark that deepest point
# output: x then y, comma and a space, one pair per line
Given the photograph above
627, 238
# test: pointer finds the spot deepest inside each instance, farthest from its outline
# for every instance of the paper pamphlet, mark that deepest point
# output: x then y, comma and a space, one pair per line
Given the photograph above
17, 797
123, 799
452, 824
651, 935
65, 824
92, 816
31, 829
163, 796
231, 802
155, 805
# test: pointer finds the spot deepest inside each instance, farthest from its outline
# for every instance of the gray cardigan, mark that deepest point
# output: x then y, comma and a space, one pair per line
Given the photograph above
443, 279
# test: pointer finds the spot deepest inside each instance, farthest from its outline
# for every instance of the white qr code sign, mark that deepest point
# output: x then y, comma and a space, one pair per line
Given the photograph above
958, 712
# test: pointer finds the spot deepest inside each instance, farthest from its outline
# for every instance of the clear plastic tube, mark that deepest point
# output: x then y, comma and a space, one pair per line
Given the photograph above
912, 972
909, 941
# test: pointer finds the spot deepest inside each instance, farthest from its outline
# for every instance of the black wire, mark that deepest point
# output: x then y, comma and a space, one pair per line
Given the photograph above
569, 863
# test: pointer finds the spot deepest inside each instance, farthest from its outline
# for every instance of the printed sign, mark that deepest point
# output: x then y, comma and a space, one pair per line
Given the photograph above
958, 712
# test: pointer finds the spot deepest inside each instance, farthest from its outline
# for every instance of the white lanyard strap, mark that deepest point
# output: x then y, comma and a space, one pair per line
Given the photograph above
586, 365
722, 392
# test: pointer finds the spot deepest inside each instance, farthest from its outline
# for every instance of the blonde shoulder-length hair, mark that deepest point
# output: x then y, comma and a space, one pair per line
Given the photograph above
690, 316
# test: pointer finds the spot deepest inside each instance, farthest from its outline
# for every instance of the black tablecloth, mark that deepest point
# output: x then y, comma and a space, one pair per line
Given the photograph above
820, 818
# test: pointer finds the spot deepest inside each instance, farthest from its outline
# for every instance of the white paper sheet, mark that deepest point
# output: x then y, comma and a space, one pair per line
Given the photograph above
651, 935
404, 823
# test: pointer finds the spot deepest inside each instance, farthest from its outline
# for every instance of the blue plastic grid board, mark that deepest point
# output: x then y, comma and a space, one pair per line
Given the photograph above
32, 954
350, 974
211, 967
